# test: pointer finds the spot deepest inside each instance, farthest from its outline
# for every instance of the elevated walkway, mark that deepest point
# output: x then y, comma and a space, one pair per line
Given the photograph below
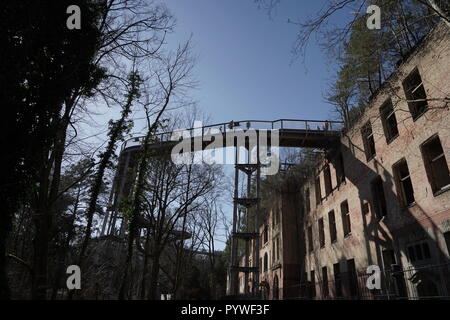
292, 133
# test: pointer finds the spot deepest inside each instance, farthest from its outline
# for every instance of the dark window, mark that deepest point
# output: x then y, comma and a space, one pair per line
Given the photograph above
419, 252
332, 222
327, 178
379, 200
307, 201
266, 262
403, 181
412, 254
313, 284
266, 234
310, 239
415, 94
346, 224
325, 289
426, 251
368, 140
340, 172
318, 191
435, 164
389, 121
388, 259
447, 241
321, 233
352, 278
337, 280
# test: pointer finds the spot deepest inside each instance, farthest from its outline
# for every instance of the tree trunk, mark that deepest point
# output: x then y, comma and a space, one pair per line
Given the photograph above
154, 275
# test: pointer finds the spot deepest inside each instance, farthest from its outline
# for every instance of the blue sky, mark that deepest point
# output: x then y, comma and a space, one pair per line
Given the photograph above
244, 65
244, 56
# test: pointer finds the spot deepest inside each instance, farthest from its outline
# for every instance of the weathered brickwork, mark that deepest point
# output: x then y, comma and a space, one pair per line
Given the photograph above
382, 227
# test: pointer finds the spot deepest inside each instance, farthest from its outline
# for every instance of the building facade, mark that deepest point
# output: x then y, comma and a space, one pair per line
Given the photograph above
380, 198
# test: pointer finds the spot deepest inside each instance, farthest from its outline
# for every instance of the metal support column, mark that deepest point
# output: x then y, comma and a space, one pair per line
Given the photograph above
250, 231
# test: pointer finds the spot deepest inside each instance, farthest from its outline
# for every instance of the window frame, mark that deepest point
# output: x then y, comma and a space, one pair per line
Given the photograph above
428, 164
368, 141
409, 94
385, 120
332, 226
399, 182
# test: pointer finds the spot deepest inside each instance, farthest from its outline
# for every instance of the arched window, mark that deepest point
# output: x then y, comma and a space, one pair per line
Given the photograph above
266, 262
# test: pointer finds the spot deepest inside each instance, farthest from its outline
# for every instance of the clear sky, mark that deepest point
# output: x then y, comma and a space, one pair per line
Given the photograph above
244, 69
244, 64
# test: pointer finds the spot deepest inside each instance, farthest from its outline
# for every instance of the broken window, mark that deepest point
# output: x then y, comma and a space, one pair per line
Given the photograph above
321, 233
435, 164
325, 289
389, 121
340, 172
368, 140
379, 199
327, 178
310, 239
318, 191
337, 280
415, 94
332, 223
346, 224
404, 183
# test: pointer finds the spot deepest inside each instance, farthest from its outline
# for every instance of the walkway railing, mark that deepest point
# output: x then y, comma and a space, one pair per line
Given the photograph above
281, 124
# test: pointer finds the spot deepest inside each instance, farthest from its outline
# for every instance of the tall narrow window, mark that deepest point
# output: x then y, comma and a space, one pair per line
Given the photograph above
327, 178
310, 239
321, 233
307, 201
313, 284
352, 278
332, 223
379, 199
415, 94
435, 164
266, 262
325, 288
368, 140
389, 121
266, 234
403, 181
340, 171
337, 280
346, 224
318, 191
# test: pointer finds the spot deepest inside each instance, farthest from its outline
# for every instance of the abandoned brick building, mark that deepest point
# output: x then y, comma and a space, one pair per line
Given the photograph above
381, 197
